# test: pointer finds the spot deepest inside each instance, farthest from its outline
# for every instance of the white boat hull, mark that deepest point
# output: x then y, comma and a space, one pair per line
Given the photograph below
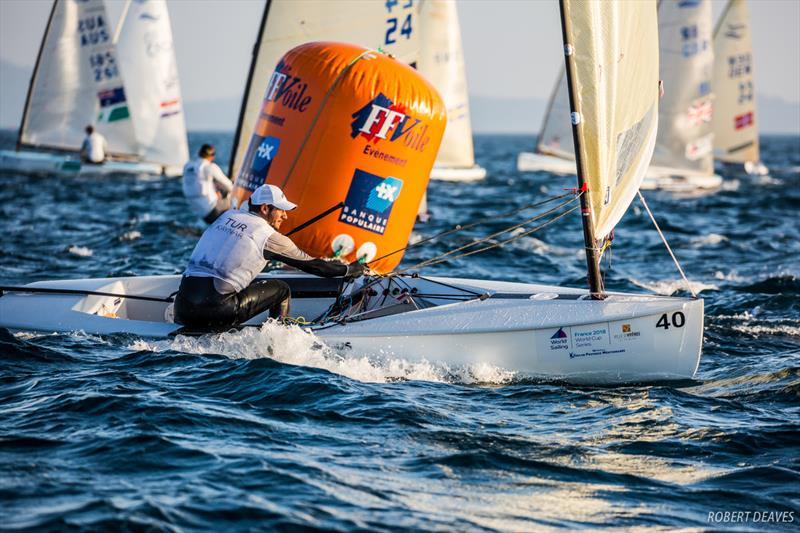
48, 164
531, 162
535, 330
475, 173
679, 181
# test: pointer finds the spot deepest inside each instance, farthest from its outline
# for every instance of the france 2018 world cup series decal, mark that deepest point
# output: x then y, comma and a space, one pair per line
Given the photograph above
369, 201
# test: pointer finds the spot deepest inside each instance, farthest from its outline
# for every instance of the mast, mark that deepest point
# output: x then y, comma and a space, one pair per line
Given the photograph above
589, 238
33, 77
246, 96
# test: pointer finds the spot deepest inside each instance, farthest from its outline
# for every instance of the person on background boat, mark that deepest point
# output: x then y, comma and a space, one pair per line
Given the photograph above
218, 288
206, 186
94, 147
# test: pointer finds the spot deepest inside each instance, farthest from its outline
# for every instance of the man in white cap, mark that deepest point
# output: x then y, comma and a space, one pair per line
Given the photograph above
218, 288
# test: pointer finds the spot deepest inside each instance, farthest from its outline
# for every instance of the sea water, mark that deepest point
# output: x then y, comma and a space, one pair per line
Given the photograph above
270, 429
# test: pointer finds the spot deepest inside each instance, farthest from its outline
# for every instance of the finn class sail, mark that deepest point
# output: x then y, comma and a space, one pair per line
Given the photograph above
441, 61
682, 159
734, 124
391, 26
79, 79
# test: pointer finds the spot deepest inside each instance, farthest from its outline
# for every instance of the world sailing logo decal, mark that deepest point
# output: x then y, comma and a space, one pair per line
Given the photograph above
369, 201
260, 154
383, 119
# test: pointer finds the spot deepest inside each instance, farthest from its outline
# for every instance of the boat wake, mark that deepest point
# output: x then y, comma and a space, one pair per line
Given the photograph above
672, 286
294, 346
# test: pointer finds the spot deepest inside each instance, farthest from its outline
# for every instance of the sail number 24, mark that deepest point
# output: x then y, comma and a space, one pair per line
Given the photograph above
392, 22
678, 320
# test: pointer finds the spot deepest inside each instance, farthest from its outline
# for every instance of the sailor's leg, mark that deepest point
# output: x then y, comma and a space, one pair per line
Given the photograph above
261, 295
199, 305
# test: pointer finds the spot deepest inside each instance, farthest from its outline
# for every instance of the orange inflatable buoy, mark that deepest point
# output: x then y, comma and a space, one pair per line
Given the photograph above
344, 125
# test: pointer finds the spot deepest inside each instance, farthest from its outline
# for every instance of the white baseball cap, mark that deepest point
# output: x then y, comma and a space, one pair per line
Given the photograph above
271, 195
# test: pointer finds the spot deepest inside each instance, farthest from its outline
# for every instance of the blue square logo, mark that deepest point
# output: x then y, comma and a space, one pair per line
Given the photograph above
259, 157
370, 200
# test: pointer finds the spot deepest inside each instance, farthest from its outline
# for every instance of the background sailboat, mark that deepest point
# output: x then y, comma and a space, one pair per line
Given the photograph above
735, 126
441, 61
147, 54
390, 26
683, 158
78, 80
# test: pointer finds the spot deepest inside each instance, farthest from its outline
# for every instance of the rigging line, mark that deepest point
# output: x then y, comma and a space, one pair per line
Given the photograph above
664, 239
490, 237
81, 292
442, 259
460, 227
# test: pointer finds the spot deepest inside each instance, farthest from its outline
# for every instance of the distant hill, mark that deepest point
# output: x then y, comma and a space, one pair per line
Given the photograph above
489, 115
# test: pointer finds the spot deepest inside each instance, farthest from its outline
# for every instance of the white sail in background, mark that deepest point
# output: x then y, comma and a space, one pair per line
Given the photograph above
555, 138
685, 140
77, 81
735, 127
391, 26
616, 90
441, 61
147, 56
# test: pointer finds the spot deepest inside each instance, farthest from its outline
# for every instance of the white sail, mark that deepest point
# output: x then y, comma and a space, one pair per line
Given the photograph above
391, 26
147, 56
685, 139
735, 128
615, 87
77, 81
441, 61
555, 138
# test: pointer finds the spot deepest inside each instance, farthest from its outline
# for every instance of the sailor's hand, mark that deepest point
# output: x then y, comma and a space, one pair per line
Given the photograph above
355, 270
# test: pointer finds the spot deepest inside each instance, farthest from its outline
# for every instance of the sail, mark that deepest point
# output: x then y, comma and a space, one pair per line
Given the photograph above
556, 135
615, 87
147, 57
441, 61
735, 131
685, 139
77, 81
390, 25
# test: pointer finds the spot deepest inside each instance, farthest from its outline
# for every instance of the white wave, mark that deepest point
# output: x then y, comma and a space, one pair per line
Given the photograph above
80, 251
414, 238
730, 276
709, 239
130, 235
768, 329
667, 287
295, 346
540, 247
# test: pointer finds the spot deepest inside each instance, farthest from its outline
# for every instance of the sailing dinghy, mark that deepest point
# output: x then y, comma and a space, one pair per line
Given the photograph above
683, 160
553, 332
78, 80
442, 62
735, 126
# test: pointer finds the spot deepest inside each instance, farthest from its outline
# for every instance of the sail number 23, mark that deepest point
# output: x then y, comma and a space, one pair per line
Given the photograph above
393, 22
678, 320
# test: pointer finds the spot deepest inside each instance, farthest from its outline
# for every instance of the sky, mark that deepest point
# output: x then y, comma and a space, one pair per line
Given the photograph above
512, 47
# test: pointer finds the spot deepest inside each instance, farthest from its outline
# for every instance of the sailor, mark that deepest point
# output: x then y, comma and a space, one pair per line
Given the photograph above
94, 147
205, 186
218, 288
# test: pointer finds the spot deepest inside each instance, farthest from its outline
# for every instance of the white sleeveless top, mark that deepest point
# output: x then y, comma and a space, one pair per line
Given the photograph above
231, 249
